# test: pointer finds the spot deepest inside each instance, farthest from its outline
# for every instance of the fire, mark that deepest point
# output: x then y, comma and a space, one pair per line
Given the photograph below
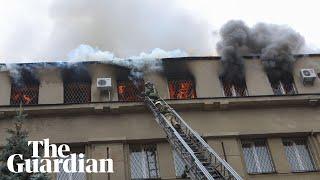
182, 89
128, 91
24, 95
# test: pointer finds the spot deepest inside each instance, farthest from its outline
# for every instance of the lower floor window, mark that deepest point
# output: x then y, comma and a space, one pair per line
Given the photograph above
298, 154
257, 156
179, 166
143, 161
62, 175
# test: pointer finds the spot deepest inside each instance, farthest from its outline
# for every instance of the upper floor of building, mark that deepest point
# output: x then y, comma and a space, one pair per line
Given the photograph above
193, 78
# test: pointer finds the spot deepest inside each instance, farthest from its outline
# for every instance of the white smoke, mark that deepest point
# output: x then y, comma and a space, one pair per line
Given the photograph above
145, 62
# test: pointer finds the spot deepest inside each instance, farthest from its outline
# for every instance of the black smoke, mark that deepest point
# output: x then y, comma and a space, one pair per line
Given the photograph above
275, 44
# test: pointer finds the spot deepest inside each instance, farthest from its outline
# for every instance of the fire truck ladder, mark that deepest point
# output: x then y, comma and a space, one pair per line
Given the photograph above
200, 159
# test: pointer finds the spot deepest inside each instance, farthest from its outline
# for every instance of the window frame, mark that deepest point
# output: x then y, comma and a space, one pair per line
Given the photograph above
142, 148
256, 159
233, 90
180, 80
298, 156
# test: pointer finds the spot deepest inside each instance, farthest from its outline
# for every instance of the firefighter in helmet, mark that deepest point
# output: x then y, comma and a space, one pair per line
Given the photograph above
165, 110
151, 91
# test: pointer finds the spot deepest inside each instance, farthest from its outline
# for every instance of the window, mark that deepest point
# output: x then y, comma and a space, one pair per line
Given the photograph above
280, 88
77, 92
182, 89
233, 90
143, 161
130, 91
179, 165
282, 84
298, 154
62, 175
25, 94
257, 156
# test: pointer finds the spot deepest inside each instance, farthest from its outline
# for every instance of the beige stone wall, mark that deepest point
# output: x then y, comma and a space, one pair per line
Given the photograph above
5, 88
219, 122
206, 73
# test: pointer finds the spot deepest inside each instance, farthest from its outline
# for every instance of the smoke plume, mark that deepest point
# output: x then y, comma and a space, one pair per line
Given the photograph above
275, 44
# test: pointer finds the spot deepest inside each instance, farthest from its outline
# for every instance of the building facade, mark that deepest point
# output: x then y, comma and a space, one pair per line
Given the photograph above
263, 129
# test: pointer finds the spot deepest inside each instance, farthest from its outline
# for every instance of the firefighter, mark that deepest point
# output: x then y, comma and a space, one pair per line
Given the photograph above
151, 91
165, 110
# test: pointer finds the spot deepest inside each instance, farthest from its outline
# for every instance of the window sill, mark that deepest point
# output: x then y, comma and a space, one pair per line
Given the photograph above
301, 172
263, 173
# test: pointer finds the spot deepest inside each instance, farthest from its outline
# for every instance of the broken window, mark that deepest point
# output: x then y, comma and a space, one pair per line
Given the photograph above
24, 94
144, 161
129, 90
232, 90
182, 89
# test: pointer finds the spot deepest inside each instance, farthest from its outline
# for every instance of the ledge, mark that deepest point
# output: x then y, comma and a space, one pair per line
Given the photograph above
210, 103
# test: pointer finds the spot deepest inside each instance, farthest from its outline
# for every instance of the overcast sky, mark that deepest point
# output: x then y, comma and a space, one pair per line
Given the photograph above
49, 29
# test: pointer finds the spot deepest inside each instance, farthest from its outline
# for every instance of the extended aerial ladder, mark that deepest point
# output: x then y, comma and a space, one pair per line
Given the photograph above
200, 159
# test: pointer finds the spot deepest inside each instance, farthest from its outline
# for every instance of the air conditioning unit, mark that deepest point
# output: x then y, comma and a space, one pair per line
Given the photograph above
104, 83
308, 76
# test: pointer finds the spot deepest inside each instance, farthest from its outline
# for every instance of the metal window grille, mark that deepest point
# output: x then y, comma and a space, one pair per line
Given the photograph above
179, 165
77, 92
280, 88
298, 154
62, 175
182, 89
231, 90
257, 156
130, 91
25, 94
143, 161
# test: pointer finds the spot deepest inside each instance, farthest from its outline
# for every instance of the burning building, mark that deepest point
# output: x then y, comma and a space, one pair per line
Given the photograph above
269, 131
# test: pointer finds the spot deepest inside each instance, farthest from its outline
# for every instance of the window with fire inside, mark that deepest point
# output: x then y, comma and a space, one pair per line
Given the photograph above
182, 88
24, 89
130, 90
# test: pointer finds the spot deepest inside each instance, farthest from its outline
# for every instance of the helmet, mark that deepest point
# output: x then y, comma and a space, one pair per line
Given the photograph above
148, 83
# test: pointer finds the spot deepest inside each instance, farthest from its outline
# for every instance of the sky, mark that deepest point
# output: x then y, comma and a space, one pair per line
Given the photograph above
48, 30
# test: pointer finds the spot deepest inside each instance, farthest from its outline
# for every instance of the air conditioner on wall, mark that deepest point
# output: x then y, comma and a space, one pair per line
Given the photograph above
104, 83
308, 76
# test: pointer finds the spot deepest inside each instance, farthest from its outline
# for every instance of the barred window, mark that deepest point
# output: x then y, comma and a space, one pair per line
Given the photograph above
129, 90
280, 88
77, 92
182, 89
62, 175
25, 94
232, 90
257, 156
179, 165
143, 161
298, 154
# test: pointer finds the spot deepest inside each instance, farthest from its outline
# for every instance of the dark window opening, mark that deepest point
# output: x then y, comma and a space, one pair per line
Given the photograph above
182, 89
24, 90
129, 90
234, 89
77, 92
76, 86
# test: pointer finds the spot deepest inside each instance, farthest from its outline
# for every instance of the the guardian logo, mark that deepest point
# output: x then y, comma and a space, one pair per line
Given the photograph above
55, 157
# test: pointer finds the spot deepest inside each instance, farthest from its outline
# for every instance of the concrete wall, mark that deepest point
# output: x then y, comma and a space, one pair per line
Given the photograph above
104, 130
206, 73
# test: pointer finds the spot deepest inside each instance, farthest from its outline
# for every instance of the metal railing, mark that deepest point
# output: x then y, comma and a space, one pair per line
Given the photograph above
186, 153
181, 147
